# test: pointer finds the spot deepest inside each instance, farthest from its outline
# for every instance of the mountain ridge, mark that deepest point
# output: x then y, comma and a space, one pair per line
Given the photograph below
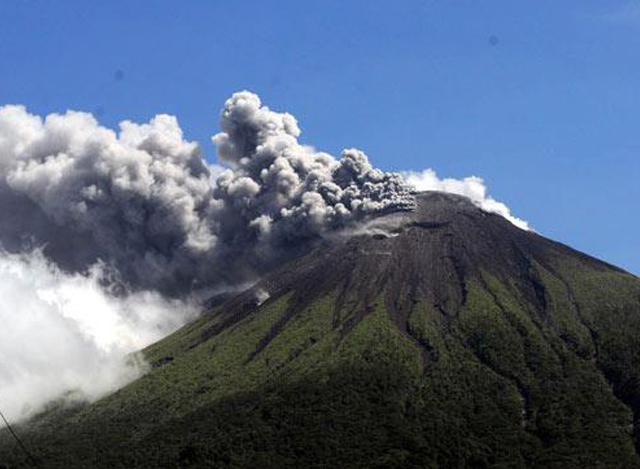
441, 337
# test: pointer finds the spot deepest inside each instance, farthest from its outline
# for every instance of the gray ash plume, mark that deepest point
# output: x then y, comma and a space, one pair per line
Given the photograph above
144, 201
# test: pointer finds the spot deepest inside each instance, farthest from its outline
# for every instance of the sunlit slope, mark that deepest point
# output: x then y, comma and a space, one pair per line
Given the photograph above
441, 338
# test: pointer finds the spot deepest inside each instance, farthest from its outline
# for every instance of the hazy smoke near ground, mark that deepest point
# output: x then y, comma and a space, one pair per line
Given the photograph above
262, 295
98, 227
65, 333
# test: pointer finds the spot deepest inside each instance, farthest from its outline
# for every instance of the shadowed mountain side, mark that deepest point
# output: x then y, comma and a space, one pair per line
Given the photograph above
442, 337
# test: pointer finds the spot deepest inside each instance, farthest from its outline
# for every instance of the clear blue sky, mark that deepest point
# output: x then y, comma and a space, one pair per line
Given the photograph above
541, 99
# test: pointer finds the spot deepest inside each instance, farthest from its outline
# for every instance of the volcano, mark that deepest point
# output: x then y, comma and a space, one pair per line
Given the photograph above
442, 337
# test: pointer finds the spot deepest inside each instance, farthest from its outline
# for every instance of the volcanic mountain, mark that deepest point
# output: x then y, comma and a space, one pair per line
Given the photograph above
443, 337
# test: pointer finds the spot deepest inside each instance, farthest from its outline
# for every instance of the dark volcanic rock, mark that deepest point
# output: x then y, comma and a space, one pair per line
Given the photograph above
429, 255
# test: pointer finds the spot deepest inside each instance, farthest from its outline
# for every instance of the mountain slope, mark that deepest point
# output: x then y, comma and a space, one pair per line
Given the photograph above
442, 337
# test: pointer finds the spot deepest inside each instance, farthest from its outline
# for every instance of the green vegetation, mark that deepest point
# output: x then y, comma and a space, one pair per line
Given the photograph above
499, 390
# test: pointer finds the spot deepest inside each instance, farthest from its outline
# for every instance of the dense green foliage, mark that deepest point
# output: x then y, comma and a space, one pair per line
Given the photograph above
498, 391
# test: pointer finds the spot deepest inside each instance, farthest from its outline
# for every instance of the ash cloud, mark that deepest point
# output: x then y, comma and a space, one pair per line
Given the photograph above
136, 199
144, 201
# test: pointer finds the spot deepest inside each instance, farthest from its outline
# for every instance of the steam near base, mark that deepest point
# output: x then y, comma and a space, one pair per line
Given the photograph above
66, 333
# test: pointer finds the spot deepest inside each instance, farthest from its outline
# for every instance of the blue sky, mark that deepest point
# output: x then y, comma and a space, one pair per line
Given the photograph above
541, 99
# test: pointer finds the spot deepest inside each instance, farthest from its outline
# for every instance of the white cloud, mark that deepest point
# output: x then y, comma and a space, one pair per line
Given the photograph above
472, 187
64, 332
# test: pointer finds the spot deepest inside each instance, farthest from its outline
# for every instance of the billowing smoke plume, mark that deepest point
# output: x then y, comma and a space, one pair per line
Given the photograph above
144, 201
98, 228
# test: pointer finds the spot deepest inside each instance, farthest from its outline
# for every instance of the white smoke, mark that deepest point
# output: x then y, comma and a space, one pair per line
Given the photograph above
262, 295
66, 333
471, 187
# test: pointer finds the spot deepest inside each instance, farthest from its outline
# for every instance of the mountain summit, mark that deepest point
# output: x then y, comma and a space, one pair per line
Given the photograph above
436, 338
